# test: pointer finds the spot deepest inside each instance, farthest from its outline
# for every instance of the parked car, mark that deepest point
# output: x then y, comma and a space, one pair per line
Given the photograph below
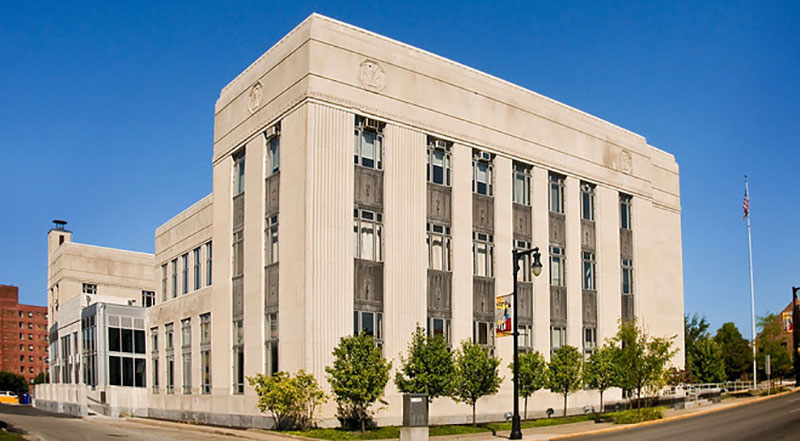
8, 397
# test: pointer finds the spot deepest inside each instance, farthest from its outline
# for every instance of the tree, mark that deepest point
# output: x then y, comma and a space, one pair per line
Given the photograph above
564, 372
292, 401
694, 329
13, 382
736, 351
41, 378
599, 372
532, 375
770, 342
640, 360
358, 376
707, 362
475, 374
429, 367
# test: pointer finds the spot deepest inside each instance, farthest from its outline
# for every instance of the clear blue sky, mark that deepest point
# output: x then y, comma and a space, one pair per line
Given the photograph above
107, 112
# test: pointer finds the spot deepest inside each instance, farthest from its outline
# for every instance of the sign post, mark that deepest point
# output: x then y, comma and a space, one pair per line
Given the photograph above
768, 371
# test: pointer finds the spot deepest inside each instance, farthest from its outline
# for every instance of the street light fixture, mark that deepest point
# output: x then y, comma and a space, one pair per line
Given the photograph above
536, 266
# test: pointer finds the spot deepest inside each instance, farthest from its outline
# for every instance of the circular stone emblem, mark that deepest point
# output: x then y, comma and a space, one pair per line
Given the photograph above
255, 97
371, 75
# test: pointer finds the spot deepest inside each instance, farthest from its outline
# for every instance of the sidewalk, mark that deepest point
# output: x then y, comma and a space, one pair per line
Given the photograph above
563, 431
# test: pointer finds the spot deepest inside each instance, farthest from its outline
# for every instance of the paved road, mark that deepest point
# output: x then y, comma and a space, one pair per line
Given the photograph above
47, 426
775, 419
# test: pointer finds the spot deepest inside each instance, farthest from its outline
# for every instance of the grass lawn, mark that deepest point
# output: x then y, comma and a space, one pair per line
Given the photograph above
10, 436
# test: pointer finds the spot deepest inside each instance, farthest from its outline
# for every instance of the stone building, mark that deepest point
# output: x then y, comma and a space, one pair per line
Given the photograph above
361, 184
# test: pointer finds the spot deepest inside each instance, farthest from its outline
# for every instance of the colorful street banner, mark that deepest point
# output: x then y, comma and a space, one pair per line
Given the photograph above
503, 313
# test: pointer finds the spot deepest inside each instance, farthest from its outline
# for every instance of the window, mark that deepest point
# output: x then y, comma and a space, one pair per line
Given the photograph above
208, 264
185, 273
439, 161
169, 333
170, 373
482, 254
439, 327
589, 267
238, 357
174, 278
273, 151
238, 172
370, 323
271, 247
524, 274
154, 367
205, 352
126, 371
482, 172
557, 266
164, 282
238, 253
88, 288
587, 201
522, 184
186, 333
627, 276
589, 340
196, 257
558, 337
154, 339
625, 212
439, 247
271, 345
187, 373
368, 143
148, 298
368, 230
483, 333
556, 193
205, 329
205, 362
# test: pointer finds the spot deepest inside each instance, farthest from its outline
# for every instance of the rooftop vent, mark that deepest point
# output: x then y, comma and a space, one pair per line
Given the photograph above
59, 224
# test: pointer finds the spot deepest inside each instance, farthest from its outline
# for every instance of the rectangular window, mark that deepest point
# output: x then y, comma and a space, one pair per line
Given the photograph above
238, 253
114, 340
139, 341
556, 193
205, 361
627, 276
139, 372
368, 143
187, 373
369, 323
557, 266
170, 374
525, 340
589, 267
174, 278
208, 264
482, 173
185, 273
439, 161
439, 247
164, 282
197, 272
483, 333
127, 340
186, 333
524, 274
273, 154
522, 184
271, 246
169, 333
115, 371
88, 288
154, 367
238, 357
154, 339
482, 254
439, 327
271, 344
238, 172
625, 212
558, 337
368, 231
205, 352
205, 329
148, 298
589, 340
587, 201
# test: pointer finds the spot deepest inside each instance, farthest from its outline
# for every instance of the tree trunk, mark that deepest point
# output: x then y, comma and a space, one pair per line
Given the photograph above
526, 408
638, 398
363, 417
565, 403
473, 414
601, 401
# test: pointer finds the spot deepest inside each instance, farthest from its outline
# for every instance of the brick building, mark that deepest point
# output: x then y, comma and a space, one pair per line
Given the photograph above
24, 333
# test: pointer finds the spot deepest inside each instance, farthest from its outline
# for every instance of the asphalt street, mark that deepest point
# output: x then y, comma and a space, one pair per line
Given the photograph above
774, 419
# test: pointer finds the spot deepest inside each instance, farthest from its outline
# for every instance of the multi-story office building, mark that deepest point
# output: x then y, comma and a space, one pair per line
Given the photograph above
363, 185
24, 347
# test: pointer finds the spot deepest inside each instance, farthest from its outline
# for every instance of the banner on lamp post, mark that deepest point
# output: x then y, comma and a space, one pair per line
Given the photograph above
503, 315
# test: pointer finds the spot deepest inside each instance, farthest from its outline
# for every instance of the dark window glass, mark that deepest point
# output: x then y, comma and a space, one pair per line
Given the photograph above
127, 340
114, 371
273, 355
367, 323
139, 341
113, 339
139, 374
127, 371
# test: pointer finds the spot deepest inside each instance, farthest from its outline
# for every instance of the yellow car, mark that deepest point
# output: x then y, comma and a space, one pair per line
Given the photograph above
7, 397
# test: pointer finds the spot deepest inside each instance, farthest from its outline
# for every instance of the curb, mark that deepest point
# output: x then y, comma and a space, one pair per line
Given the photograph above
666, 420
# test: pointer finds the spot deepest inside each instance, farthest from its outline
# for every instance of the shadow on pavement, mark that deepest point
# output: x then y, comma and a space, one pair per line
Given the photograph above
30, 411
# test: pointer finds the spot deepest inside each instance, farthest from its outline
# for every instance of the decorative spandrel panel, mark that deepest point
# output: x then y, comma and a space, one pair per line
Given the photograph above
439, 293
238, 212
272, 191
557, 229
237, 292
482, 213
627, 308
589, 307
588, 240
368, 285
626, 243
522, 221
439, 203
525, 303
558, 305
483, 298
369, 187
271, 288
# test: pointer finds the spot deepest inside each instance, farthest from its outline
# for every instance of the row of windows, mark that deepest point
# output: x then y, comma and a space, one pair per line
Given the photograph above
272, 159
171, 274
21, 314
186, 346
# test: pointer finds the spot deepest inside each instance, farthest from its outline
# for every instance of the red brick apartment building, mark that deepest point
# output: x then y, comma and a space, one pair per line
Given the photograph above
24, 335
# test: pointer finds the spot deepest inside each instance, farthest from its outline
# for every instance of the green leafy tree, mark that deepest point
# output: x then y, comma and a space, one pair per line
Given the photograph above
707, 362
694, 328
41, 378
532, 375
292, 401
736, 351
13, 382
358, 376
640, 360
475, 374
599, 371
770, 341
564, 372
429, 367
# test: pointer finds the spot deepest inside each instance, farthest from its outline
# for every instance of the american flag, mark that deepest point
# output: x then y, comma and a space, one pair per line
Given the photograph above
746, 204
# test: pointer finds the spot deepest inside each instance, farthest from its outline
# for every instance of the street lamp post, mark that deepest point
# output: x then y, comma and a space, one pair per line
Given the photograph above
516, 430
796, 334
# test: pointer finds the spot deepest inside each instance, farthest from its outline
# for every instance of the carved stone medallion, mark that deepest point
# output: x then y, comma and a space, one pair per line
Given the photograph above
625, 162
371, 75
254, 101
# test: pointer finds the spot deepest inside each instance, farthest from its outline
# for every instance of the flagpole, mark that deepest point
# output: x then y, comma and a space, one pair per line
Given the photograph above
752, 296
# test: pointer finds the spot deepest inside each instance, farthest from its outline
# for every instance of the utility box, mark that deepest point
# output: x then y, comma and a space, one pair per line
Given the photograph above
415, 410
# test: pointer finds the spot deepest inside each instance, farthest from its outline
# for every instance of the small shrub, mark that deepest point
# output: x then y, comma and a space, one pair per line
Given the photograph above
633, 416
292, 401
